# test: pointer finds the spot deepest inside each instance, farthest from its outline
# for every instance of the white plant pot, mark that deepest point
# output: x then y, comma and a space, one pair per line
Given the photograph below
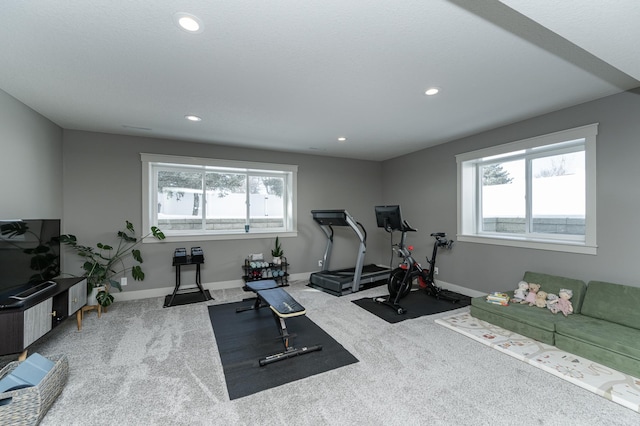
277, 261
91, 297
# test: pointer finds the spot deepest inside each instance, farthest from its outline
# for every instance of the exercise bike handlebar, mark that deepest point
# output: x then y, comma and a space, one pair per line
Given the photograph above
404, 251
442, 241
406, 227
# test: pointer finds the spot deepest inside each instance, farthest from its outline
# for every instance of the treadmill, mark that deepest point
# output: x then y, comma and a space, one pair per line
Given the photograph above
349, 280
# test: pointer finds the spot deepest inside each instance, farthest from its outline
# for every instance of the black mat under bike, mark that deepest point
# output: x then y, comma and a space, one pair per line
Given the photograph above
410, 272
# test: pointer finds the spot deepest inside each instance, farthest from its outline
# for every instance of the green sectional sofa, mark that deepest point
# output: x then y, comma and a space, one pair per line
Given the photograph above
604, 326
530, 321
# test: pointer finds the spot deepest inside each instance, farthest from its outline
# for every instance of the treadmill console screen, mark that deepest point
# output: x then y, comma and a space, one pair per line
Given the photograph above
330, 217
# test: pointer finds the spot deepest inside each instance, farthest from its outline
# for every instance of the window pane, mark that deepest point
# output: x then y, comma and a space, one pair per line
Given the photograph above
198, 199
179, 200
226, 201
503, 197
537, 193
266, 209
558, 194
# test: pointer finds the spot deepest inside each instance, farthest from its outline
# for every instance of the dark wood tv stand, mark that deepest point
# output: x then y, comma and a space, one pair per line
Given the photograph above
24, 325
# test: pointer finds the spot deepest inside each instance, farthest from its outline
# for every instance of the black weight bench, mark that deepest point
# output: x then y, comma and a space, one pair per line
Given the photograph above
282, 306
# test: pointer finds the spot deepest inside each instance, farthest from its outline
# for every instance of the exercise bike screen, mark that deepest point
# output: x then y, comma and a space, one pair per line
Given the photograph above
389, 217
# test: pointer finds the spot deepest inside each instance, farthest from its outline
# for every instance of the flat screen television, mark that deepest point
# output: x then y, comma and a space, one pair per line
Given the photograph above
29, 253
389, 217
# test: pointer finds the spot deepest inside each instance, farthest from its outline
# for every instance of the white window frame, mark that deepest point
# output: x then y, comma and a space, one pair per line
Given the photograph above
469, 198
149, 199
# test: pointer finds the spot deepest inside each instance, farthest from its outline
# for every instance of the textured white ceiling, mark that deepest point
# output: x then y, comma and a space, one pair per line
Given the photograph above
607, 29
294, 76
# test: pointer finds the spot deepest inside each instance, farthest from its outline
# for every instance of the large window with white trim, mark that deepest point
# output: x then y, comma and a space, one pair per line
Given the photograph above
535, 193
200, 198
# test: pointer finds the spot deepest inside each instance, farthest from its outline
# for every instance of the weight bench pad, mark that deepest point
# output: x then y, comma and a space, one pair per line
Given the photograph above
256, 286
281, 303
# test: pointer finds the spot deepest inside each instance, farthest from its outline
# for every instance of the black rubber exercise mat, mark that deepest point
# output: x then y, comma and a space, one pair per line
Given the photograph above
416, 304
186, 298
244, 338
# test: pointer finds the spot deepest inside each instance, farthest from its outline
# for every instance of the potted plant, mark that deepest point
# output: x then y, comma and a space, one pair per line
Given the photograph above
104, 263
277, 252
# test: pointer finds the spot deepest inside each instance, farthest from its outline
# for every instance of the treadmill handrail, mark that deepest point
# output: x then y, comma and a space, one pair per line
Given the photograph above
327, 219
364, 231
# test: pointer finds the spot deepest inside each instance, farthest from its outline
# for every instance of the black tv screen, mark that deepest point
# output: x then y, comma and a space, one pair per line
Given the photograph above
29, 253
389, 217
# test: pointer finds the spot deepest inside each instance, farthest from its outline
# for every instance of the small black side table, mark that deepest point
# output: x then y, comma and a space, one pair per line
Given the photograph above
188, 260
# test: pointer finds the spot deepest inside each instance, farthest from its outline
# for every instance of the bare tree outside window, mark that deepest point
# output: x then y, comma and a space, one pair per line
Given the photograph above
495, 174
557, 168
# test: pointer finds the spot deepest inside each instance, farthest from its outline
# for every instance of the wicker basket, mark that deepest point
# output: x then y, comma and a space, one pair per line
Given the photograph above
29, 405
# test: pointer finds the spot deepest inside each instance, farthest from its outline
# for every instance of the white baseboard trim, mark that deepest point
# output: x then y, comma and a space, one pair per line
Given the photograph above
223, 285
459, 289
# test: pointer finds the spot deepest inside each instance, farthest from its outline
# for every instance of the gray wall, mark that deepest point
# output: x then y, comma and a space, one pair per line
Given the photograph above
31, 171
428, 200
103, 189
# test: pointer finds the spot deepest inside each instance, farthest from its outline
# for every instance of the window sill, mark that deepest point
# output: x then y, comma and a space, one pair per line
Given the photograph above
578, 248
220, 237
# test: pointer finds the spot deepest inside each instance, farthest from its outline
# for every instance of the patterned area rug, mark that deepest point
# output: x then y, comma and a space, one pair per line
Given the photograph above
610, 384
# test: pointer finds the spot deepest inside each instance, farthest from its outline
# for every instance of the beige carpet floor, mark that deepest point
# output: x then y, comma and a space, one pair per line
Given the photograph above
142, 364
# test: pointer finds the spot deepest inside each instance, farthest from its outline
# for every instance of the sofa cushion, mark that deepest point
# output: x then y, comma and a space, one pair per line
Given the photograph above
600, 355
553, 284
613, 302
494, 316
604, 334
530, 315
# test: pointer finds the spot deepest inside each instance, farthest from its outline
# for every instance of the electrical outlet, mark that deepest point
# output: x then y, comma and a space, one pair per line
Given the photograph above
320, 263
123, 281
435, 270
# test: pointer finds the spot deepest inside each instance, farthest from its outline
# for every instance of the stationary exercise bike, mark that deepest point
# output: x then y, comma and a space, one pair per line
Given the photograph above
402, 278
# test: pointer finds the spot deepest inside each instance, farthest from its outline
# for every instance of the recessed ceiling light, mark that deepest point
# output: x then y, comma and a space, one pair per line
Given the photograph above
188, 22
342, 139
193, 118
432, 91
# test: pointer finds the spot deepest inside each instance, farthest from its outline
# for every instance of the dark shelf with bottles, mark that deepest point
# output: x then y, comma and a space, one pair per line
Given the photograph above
256, 270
